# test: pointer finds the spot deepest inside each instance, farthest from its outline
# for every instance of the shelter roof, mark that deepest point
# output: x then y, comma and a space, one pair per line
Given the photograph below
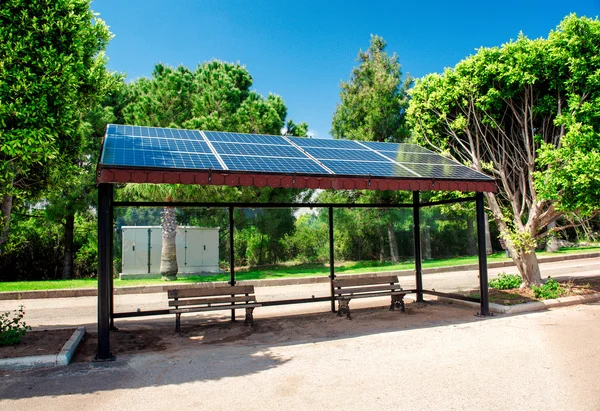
133, 154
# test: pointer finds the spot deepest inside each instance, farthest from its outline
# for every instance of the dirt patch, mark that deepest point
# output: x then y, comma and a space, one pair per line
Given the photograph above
46, 342
526, 295
199, 332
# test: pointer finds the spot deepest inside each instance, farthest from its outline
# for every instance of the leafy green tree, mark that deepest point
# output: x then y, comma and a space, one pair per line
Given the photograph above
374, 100
372, 108
52, 68
215, 96
526, 113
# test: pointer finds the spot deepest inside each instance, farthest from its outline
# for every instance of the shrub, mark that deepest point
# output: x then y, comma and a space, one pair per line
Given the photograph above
550, 289
506, 281
12, 327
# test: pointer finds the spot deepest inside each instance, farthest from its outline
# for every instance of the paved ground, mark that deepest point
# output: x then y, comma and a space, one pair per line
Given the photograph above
438, 357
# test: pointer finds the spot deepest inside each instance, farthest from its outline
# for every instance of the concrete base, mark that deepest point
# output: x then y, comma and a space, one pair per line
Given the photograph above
529, 307
42, 361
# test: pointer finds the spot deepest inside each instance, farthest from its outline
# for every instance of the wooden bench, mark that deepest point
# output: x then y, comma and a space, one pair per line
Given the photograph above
345, 289
224, 297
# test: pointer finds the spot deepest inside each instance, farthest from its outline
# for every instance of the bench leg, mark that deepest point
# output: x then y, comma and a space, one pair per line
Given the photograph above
398, 302
249, 321
178, 322
344, 308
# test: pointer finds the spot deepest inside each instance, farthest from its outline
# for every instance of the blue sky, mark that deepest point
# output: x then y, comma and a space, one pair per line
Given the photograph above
302, 49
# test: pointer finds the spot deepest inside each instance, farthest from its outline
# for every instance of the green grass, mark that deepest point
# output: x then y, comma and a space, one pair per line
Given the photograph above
279, 271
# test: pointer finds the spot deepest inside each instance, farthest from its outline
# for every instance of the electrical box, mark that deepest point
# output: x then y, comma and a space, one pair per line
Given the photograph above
197, 250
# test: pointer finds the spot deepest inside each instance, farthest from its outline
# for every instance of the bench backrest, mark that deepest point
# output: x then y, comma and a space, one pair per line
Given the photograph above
355, 282
211, 295
365, 286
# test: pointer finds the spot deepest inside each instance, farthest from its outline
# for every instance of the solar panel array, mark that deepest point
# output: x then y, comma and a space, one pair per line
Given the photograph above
168, 148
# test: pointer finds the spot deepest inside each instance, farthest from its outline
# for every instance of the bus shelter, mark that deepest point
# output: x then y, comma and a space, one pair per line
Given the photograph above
133, 154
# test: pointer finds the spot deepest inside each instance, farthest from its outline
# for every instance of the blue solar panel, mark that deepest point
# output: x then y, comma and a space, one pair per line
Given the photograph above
325, 143
160, 159
273, 164
258, 150
219, 136
419, 158
116, 142
168, 148
454, 172
139, 131
372, 168
337, 154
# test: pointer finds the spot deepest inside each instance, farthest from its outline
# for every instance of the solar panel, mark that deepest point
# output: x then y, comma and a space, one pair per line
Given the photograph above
325, 143
168, 148
368, 168
273, 164
336, 154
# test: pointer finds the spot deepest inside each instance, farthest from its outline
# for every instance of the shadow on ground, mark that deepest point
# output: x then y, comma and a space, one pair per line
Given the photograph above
150, 353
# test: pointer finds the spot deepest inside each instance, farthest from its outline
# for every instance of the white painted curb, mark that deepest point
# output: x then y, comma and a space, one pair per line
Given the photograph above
529, 307
51, 360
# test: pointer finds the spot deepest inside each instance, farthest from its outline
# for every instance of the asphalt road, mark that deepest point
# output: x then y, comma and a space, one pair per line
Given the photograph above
61, 312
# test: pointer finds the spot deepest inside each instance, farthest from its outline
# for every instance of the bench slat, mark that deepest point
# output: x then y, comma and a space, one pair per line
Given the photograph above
214, 308
211, 291
380, 294
350, 290
351, 282
216, 300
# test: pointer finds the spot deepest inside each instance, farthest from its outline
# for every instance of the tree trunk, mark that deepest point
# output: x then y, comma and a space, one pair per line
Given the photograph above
471, 250
168, 257
552, 244
528, 266
68, 255
6, 209
488, 236
393, 243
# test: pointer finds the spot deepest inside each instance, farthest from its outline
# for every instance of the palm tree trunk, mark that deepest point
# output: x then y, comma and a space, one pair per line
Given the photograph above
168, 257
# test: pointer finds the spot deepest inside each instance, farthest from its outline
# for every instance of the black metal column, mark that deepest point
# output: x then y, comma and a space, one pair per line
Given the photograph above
331, 259
483, 274
231, 256
111, 250
105, 193
417, 239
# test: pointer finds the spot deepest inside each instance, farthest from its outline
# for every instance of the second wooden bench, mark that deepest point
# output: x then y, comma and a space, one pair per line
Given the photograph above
345, 289
224, 297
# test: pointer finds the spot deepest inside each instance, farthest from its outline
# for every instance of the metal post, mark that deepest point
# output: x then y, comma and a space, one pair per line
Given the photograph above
231, 256
104, 263
111, 249
331, 259
417, 239
483, 274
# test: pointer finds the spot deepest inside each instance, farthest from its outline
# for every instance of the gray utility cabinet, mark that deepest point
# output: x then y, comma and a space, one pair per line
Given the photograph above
197, 249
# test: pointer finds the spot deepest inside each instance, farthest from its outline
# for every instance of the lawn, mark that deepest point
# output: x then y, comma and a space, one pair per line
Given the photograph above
279, 271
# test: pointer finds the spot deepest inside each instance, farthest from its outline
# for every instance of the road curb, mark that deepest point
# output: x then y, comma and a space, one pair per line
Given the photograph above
52, 360
146, 289
528, 307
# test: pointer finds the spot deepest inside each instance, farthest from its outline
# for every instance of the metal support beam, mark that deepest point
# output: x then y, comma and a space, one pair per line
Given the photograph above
331, 259
483, 274
231, 256
105, 196
417, 239
111, 250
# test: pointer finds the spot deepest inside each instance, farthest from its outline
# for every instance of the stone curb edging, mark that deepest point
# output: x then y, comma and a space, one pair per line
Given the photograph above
529, 307
146, 289
52, 360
